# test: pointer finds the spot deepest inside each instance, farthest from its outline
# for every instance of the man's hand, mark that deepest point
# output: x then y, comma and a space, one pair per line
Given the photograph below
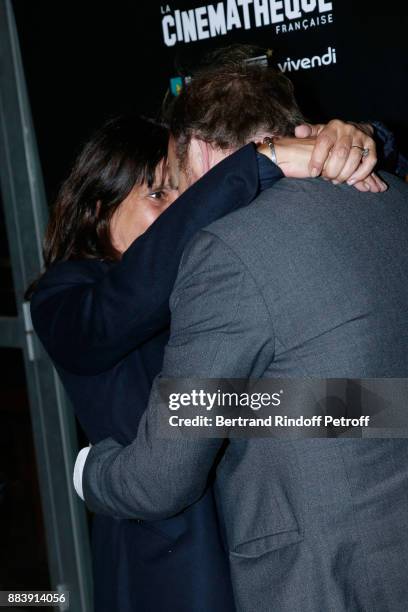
337, 155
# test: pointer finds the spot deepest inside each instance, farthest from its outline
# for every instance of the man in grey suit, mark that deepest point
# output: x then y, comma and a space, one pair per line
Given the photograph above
287, 287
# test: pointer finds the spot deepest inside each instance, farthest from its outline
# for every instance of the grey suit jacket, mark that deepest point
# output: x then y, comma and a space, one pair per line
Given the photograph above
311, 280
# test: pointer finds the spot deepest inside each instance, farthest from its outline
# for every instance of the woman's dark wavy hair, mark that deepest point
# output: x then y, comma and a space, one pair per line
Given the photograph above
124, 152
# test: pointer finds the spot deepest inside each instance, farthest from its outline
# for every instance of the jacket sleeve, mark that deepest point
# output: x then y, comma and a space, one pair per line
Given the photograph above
390, 157
220, 328
88, 324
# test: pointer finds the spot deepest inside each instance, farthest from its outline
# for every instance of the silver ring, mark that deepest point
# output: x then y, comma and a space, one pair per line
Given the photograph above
267, 140
364, 152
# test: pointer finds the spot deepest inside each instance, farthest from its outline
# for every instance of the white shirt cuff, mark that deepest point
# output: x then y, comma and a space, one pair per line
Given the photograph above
79, 470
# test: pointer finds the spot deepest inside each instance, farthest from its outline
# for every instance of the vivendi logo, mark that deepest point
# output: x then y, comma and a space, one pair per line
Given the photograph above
305, 63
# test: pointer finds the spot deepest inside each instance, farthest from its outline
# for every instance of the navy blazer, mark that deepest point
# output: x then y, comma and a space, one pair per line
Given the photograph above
105, 326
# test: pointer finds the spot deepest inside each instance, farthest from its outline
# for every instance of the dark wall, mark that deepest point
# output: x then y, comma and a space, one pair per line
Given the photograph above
85, 61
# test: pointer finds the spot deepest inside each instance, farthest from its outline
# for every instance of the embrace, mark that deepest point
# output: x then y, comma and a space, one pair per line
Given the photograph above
242, 243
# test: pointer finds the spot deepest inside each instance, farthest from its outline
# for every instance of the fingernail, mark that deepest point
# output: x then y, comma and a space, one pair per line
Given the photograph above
314, 172
335, 182
351, 181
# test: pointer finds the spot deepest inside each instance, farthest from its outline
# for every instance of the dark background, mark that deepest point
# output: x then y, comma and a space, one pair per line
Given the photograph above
86, 61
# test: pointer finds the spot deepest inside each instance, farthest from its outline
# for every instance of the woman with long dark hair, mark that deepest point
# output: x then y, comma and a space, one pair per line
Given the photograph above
111, 252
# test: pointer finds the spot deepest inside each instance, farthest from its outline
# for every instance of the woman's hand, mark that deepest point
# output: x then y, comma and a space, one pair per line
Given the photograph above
333, 151
336, 155
292, 155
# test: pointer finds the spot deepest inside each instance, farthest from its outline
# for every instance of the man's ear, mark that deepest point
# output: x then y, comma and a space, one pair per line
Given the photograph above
203, 156
206, 155
200, 156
